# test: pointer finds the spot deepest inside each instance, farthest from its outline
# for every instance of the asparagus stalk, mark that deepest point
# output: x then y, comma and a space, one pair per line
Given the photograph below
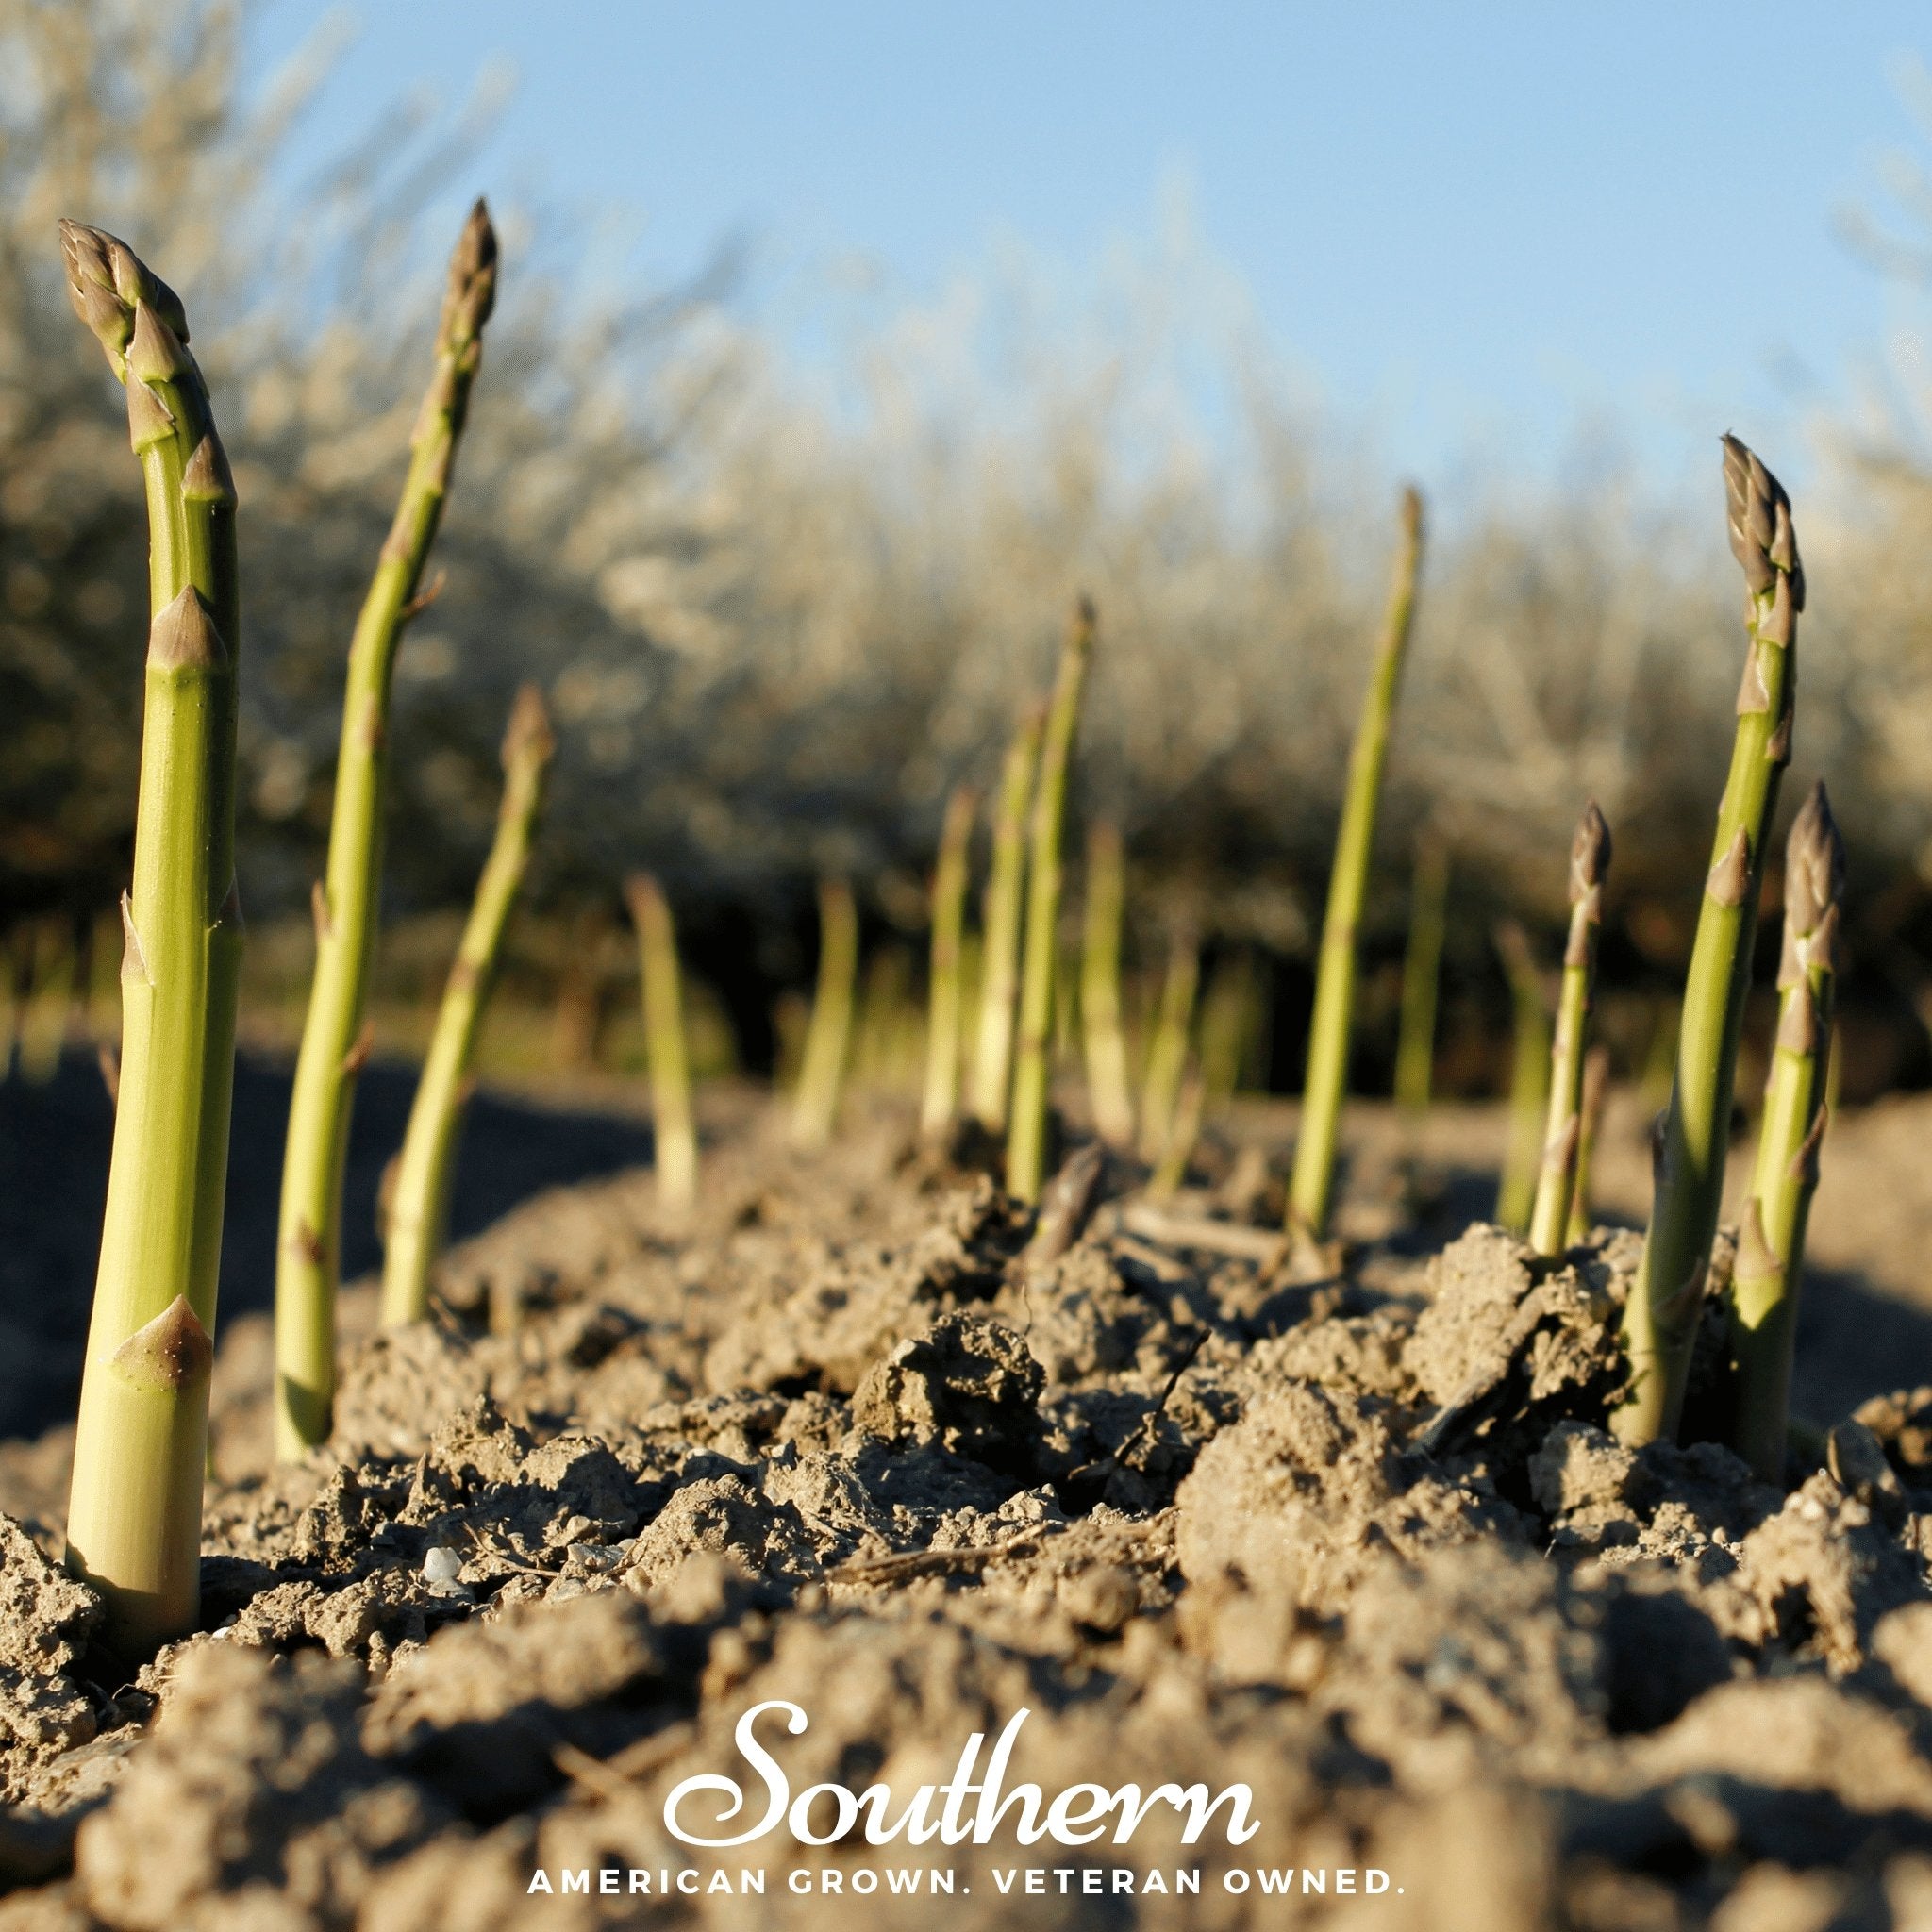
828, 1034
674, 1133
1183, 1129
1067, 1024
49, 1001
1555, 1188
418, 1219
103, 996
334, 1042
999, 975
1103, 1039
1661, 1316
1660, 1055
1421, 974
11, 993
1596, 1087
1313, 1180
134, 1525
1528, 1079
1167, 1054
1229, 1022
576, 1017
886, 1020
1771, 1249
1026, 1137
945, 1007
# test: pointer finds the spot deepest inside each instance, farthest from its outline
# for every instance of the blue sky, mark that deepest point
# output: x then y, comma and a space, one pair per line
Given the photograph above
1469, 228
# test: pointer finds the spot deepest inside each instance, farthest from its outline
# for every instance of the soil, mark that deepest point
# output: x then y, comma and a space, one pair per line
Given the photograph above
1342, 1527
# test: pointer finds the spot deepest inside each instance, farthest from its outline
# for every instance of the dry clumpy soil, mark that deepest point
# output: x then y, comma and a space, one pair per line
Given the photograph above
1350, 1534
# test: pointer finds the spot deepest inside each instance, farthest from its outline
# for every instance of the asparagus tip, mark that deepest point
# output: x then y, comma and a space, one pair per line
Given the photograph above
1411, 512
1590, 853
1762, 536
642, 893
529, 735
1814, 878
108, 284
1814, 862
1512, 945
471, 292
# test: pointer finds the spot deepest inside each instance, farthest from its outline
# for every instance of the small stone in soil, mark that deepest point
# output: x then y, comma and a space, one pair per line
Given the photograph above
440, 1565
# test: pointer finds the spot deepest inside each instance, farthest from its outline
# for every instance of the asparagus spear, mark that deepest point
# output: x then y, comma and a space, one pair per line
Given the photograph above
103, 996
49, 1002
945, 1007
1230, 1024
1184, 1130
829, 1036
1589, 1113
1770, 1250
1422, 973
134, 1526
887, 1018
999, 973
1589, 859
674, 1133
1328, 1030
1661, 1317
334, 1042
11, 993
417, 1218
1167, 1054
1660, 1056
1026, 1138
1102, 1039
1528, 1079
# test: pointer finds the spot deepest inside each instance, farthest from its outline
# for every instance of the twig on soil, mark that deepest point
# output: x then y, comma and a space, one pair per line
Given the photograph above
618, 1775
1063, 1213
1262, 1245
908, 1563
1148, 1427
1156, 1261
495, 1554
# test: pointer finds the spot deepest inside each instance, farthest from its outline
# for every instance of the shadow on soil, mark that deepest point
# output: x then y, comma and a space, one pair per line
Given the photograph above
54, 1143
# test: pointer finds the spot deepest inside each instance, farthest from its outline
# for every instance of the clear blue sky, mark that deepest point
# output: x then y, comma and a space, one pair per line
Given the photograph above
1469, 225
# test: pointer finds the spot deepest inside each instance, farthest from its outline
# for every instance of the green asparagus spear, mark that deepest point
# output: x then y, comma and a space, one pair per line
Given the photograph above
1661, 1317
1596, 1087
334, 1041
1102, 1039
673, 1131
1026, 1137
1326, 1080
1167, 1054
1770, 1250
944, 1006
134, 1526
1230, 1025
1528, 1079
1589, 859
1184, 1130
1006, 886
828, 1034
49, 1003
418, 1219
1422, 973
